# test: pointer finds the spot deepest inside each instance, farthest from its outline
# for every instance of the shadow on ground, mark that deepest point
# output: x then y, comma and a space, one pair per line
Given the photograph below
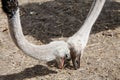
35, 71
62, 18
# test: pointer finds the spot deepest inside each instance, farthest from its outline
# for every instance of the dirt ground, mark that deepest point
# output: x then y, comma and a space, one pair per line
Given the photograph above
46, 20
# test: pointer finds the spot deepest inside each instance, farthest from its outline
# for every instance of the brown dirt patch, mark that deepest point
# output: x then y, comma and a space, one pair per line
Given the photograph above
45, 20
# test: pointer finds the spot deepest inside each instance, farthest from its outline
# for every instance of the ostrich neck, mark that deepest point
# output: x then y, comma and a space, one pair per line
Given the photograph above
84, 31
16, 31
35, 51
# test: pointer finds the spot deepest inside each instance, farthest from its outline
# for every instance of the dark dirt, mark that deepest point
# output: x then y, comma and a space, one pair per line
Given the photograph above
47, 20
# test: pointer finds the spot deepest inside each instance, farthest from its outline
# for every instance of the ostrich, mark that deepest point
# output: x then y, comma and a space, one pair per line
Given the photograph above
59, 50
79, 40
56, 50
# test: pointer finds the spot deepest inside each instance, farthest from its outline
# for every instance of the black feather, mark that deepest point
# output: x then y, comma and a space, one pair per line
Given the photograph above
10, 7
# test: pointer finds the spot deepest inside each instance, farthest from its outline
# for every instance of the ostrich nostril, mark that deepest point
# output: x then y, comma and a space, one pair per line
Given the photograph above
77, 62
66, 56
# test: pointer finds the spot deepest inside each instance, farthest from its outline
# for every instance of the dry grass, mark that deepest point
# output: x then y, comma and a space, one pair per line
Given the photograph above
55, 19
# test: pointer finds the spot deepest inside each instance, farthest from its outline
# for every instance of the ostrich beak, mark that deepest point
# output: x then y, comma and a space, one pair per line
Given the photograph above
75, 59
61, 63
76, 62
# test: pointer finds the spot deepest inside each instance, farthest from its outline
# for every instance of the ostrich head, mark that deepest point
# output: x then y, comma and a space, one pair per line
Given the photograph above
61, 52
76, 48
75, 58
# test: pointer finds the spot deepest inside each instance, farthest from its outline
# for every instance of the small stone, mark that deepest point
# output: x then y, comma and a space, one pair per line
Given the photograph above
32, 12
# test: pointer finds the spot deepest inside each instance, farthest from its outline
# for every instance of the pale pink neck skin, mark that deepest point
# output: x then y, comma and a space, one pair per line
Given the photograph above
48, 52
80, 38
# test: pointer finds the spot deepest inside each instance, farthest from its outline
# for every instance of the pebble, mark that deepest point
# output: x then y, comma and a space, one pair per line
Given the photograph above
32, 12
